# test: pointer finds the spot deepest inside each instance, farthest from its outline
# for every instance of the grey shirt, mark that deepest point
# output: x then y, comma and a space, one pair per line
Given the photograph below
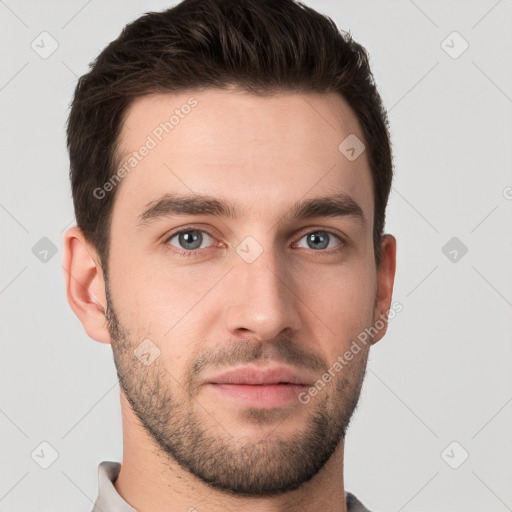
110, 501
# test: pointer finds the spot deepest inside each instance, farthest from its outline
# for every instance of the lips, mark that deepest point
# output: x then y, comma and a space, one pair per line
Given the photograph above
256, 387
255, 376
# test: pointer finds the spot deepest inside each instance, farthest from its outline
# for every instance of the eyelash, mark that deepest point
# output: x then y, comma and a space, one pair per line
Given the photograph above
195, 252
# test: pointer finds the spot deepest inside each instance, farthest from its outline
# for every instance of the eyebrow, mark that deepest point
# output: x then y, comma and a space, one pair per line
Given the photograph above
336, 205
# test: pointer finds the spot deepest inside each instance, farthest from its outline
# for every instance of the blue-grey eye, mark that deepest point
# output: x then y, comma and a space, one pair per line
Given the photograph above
190, 239
319, 240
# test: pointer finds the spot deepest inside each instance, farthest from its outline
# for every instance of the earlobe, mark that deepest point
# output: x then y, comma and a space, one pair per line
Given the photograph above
85, 285
385, 280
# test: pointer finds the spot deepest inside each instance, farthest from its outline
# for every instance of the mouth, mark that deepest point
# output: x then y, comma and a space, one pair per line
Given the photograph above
260, 388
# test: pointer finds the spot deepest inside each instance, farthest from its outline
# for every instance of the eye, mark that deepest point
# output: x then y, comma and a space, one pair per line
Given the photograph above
320, 240
189, 239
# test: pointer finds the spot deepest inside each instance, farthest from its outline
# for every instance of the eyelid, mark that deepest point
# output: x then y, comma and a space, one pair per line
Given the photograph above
183, 229
315, 229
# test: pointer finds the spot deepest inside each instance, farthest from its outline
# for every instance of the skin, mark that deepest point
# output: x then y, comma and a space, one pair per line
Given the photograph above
293, 303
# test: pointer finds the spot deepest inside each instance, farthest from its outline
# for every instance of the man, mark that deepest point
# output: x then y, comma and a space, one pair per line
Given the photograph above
230, 170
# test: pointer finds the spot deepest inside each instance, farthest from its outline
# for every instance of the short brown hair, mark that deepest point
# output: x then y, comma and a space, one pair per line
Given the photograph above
259, 46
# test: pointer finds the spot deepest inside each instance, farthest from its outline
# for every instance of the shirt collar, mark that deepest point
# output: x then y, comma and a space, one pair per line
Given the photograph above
109, 499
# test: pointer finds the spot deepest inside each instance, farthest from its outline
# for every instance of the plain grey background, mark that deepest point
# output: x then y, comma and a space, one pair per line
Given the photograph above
433, 428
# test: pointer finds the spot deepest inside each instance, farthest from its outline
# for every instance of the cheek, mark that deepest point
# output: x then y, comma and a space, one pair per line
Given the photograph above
151, 290
342, 298
170, 306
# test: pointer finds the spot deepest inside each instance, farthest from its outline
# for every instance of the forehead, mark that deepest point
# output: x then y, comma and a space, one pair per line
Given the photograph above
265, 152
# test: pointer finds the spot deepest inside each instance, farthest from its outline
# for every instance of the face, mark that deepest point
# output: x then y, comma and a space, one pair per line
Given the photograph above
241, 268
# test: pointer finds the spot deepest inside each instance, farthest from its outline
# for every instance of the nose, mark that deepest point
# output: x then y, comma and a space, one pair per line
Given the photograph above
262, 302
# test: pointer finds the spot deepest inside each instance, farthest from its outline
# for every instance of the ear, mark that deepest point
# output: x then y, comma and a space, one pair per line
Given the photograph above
85, 285
385, 280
